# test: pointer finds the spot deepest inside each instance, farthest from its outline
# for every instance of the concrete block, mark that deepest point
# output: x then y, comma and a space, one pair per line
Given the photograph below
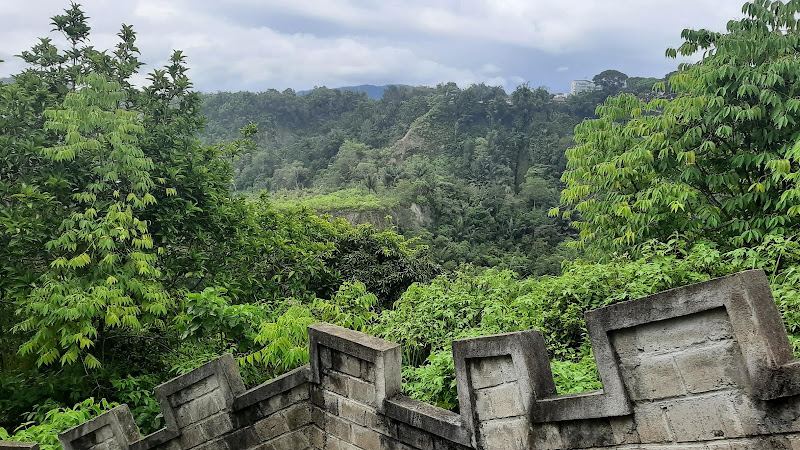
353, 411
337, 427
344, 445
244, 438
194, 391
297, 416
103, 434
331, 443
199, 408
298, 394
587, 433
363, 392
624, 429
654, 377
665, 336
794, 441
325, 356
498, 402
712, 368
295, 383
491, 371
217, 425
335, 382
546, 436
192, 436
412, 437
213, 445
271, 427
330, 402
316, 437
437, 421
298, 439
365, 438
342, 362
508, 434
708, 417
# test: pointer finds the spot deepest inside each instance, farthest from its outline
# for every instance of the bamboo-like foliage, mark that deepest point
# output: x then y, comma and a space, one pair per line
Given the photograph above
105, 273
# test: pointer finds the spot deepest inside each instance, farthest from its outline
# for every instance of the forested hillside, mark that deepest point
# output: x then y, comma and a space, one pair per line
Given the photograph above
471, 172
124, 257
135, 244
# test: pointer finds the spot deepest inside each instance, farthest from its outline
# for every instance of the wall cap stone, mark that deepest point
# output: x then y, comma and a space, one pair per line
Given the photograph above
275, 386
438, 421
6, 445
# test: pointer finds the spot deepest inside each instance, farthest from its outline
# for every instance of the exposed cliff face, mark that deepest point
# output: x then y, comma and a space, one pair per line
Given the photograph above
405, 217
424, 137
413, 140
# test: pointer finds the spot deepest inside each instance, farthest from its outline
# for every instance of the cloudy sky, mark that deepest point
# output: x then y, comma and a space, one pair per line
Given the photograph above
261, 44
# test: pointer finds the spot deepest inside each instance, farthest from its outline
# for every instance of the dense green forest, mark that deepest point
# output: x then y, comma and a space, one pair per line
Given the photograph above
469, 172
136, 242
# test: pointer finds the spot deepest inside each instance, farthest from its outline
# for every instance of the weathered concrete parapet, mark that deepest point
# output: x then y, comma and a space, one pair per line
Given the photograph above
356, 397
706, 363
702, 366
373, 365
499, 381
193, 406
755, 323
18, 446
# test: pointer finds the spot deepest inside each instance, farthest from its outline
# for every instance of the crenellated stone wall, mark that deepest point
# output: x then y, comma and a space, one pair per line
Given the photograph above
707, 366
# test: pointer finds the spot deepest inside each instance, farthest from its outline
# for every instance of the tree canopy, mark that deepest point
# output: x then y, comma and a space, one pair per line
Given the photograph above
611, 80
140, 239
720, 161
122, 245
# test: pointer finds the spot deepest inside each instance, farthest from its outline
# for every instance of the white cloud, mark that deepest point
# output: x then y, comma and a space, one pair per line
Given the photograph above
558, 27
490, 69
233, 45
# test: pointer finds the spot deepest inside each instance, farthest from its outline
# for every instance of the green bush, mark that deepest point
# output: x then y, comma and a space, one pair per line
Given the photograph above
43, 426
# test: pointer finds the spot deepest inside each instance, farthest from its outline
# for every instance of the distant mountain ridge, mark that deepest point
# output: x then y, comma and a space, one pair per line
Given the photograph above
8, 80
371, 90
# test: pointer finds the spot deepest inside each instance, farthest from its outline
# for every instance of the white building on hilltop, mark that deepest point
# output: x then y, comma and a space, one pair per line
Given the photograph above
579, 86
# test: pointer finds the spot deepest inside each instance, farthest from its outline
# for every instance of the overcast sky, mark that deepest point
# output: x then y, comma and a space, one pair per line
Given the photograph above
260, 44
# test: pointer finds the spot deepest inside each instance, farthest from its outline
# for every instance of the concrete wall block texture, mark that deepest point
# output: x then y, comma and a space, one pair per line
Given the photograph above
674, 334
498, 402
706, 366
507, 434
712, 367
491, 371
199, 408
653, 377
194, 391
6, 445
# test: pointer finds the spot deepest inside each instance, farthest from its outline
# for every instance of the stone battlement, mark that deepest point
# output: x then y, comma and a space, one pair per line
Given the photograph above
702, 366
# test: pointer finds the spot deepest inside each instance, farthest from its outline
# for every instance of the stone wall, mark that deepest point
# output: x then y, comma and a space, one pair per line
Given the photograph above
707, 366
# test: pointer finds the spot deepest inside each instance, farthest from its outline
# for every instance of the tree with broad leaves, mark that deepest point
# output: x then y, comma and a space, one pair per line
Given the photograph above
720, 161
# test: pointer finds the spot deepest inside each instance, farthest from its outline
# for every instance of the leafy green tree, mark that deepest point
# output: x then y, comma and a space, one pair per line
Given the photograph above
124, 258
293, 176
611, 81
105, 273
719, 162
